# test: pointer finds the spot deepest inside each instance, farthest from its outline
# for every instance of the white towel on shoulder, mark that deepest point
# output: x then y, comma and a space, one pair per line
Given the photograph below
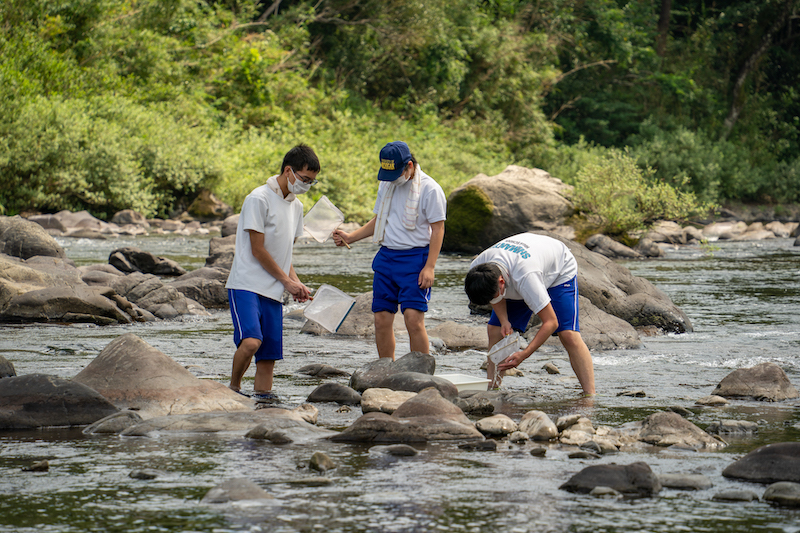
410, 211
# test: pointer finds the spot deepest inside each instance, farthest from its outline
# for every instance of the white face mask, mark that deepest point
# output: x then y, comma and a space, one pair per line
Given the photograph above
500, 296
299, 186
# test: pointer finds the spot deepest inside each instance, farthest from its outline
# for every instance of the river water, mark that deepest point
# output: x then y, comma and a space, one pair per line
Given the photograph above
742, 299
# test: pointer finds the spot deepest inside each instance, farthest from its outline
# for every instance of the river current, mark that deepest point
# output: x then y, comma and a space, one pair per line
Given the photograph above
742, 299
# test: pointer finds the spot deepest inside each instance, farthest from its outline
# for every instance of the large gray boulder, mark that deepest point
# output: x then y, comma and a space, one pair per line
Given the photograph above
667, 428
134, 375
129, 259
23, 238
487, 209
207, 207
426, 416
765, 382
221, 250
39, 400
635, 478
79, 304
205, 285
615, 290
372, 374
150, 293
768, 464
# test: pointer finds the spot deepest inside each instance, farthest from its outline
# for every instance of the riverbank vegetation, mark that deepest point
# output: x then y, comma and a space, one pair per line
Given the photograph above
114, 104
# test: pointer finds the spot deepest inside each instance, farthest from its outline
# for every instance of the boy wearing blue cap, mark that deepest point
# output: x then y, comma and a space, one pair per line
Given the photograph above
409, 225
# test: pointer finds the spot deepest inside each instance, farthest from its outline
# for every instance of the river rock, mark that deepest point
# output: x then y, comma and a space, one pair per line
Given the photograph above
373, 373
207, 207
6, 368
783, 494
734, 495
134, 375
290, 422
712, 401
131, 259
417, 381
204, 285
221, 250
113, 424
666, 231
229, 225
602, 331
82, 303
383, 400
40, 400
685, 481
768, 464
460, 336
732, 427
129, 216
724, 230
635, 478
538, 426
487, 209
608, 247
764, 382
319, 370
233, 490
151, 294
479, 403
667, 428
426, 416
496, 425
647, 248
24, 239
321, 462
335, 392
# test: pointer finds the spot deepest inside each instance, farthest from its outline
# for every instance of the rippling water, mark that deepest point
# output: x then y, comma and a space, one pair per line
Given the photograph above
742, 299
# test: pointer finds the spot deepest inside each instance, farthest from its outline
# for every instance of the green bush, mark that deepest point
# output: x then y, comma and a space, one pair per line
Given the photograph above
618, 192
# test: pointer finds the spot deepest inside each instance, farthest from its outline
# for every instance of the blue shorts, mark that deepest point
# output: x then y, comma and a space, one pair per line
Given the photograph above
257, 317
396, 280
563, 298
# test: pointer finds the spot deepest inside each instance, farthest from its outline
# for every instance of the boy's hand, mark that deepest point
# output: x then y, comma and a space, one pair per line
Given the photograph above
299, 292
341, 238
426, 278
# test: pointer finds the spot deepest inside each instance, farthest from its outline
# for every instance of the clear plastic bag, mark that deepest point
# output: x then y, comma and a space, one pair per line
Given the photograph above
329, 307
322, 219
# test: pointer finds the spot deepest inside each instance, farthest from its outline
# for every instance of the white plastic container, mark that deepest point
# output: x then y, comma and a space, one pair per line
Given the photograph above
464, 382
322, 219
505, 347
329, 307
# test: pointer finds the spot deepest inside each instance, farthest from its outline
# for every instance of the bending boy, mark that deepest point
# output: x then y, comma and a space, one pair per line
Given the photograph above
527, 274
270, 221
409, 225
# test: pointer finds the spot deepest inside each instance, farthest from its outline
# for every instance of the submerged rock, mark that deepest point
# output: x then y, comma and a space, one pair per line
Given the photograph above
765, 382
40, 400
768, 464
236, 490
635, 478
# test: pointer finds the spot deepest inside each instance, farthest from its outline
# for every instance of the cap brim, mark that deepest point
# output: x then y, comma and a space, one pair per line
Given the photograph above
389, 175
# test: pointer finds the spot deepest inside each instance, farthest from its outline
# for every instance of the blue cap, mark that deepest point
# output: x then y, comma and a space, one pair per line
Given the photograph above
394, 158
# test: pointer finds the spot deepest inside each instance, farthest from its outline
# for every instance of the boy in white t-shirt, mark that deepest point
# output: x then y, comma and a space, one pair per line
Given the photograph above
409, 225
270, 220
527, 274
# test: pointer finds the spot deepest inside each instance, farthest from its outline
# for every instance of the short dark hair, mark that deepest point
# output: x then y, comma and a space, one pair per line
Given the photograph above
480, 283
299, 157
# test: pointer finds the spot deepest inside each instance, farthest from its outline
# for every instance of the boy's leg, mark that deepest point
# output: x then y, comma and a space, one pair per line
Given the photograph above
264, 372
384, 334
495, 336
580, 358
417, 335
241, 361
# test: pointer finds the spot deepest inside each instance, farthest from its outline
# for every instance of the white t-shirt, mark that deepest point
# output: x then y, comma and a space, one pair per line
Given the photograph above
432, 208
281, 221
534, 263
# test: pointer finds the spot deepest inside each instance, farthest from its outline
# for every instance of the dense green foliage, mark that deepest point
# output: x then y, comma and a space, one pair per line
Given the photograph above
113, 104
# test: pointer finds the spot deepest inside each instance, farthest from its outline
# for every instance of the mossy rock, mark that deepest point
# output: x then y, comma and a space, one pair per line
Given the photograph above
469, 210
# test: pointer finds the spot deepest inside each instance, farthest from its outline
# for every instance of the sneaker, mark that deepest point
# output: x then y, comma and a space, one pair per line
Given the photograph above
266, 397
240, 392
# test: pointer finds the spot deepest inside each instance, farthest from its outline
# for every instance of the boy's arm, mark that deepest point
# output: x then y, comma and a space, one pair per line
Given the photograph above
299, 291
426, 276
548, 327
341, 238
